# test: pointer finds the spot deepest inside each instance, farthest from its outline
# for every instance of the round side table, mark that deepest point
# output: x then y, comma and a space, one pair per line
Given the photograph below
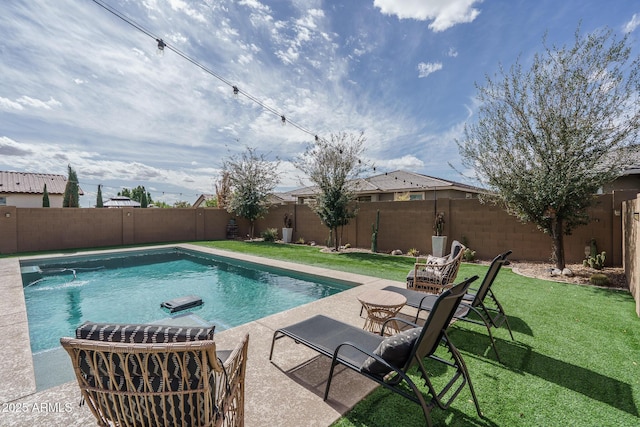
380, 306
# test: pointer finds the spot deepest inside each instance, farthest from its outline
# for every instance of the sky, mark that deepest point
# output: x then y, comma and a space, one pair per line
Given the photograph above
80, 86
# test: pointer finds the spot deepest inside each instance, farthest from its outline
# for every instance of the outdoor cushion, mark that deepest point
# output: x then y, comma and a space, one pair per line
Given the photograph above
394, 350
437, 260
142, 334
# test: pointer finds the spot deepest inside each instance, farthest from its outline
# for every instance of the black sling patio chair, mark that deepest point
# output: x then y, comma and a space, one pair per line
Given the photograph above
386, 360
490, 313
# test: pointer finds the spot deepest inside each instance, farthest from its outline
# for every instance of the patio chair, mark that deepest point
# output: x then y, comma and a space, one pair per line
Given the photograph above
487, 313
150, 375
386, 360
434, 274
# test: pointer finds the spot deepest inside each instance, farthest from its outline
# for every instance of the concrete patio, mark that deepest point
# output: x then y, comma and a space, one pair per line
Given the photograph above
286, 393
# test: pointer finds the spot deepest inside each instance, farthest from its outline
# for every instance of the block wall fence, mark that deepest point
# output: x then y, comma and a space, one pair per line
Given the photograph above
403, 225
631, 247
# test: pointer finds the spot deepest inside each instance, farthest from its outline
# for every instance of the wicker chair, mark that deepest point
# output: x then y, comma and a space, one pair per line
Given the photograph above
435, 275
160, 383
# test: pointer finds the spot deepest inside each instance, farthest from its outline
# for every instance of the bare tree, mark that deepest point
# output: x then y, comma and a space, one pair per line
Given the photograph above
252, 179
333, 166
223, 190
547, 138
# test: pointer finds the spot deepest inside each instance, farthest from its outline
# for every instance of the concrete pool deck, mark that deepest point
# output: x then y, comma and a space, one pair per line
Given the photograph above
286, 393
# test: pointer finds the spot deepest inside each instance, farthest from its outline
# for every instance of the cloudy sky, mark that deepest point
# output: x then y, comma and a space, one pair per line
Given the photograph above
80, 86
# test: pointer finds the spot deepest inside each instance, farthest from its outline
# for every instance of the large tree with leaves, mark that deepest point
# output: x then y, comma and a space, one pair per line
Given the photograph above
252, 179
71, 198
549, 136
332, 166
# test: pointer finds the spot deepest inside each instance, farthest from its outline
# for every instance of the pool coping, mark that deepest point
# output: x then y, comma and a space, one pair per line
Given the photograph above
287, 392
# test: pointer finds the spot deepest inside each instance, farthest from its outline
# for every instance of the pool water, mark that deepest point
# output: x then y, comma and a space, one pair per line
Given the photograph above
119, 288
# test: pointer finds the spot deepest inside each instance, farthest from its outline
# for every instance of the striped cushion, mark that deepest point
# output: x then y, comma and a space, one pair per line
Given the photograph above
142, 334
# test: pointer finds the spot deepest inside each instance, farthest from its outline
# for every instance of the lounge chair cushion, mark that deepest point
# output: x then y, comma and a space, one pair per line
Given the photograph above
395, 350
142, 334
437, 260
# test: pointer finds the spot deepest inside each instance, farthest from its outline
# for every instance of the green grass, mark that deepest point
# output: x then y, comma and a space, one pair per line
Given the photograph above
575, 360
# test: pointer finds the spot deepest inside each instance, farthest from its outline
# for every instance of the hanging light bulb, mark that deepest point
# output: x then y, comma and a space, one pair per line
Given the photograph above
236, 91
161, 46
283, 119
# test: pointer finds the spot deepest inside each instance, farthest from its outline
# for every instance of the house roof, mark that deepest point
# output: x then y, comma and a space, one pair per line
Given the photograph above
32, 183
121, 202
398, 181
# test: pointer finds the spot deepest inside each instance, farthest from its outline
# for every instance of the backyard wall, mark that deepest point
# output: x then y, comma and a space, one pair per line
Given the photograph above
631, 247
403, 225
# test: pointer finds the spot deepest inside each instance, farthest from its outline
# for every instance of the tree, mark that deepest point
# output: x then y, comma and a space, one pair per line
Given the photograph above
223, 190
547, 138
252, 179
181, 204
99, 202
333, 166
71, 198
45, 197
211, 202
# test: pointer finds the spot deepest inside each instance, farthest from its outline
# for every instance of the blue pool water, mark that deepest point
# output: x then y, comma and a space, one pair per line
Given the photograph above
129, 288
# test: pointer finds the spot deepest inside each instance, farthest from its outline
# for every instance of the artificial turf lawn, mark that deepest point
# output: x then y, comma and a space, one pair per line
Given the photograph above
575, 360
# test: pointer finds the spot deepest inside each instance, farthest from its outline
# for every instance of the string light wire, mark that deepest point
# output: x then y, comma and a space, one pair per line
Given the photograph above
162, 45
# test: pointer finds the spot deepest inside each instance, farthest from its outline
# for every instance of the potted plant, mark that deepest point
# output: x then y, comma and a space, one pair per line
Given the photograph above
287, 230
438, 242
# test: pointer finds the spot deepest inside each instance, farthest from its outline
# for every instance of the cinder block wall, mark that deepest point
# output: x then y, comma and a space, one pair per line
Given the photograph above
403, 225
631, 247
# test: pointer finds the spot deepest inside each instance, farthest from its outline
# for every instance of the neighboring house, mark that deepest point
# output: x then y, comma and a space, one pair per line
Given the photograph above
121, 202
401, 185
630, 178
25, 190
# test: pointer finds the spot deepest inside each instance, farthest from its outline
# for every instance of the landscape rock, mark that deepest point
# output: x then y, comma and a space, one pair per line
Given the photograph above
567, 272
396, 252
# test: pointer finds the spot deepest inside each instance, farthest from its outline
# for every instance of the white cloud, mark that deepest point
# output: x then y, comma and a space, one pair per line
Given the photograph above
7, 104
444, 14
452, 53
37, 103
630, 26
424, 69
406, 162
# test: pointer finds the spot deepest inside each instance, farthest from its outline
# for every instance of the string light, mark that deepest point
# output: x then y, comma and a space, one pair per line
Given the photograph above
161, 45
161, 48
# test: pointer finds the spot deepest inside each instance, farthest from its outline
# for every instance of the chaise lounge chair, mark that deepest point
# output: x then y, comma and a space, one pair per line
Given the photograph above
434, 274
487, 313
387, 360
150, 375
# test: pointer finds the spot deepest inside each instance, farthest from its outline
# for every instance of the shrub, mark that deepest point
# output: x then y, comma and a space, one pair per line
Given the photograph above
599, 279
300, 241
270, 234
468, 255
413, 252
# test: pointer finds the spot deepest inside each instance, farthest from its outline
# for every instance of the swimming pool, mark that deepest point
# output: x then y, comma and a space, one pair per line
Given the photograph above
128, 287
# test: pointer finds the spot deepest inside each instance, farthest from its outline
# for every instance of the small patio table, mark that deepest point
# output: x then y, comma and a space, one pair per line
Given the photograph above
380, 306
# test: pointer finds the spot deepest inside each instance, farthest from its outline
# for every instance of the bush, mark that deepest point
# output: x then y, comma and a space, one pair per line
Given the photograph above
300, 241
468, 255
599, 279
413, 252
270, 234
